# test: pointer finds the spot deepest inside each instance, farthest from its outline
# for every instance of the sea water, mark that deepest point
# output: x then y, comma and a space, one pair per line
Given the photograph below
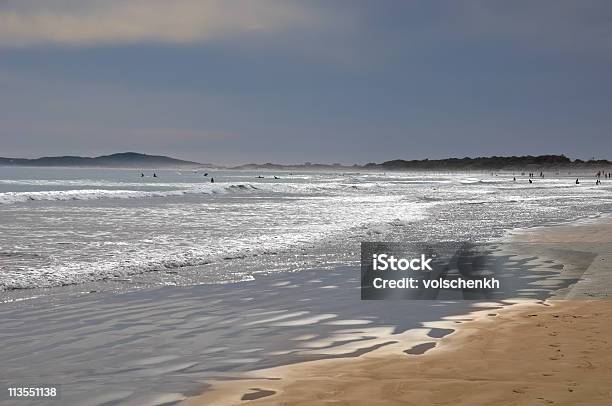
71, 226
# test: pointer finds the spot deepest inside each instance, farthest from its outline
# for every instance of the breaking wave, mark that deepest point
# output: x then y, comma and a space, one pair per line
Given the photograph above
201, 189
97, 194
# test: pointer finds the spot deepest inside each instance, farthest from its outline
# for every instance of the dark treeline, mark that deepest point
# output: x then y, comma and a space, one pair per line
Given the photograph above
490, 163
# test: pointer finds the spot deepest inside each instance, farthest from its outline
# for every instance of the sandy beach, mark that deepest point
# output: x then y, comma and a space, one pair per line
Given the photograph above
556, 352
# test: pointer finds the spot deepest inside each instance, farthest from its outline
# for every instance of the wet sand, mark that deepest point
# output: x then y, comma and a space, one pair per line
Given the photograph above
557, 352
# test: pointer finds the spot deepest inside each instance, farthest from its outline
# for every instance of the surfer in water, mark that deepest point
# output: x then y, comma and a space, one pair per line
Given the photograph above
212, 180
142, 175
530, 181
577, 181
154, 175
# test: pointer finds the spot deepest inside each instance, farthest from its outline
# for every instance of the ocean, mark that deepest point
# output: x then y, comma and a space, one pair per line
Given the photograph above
63, 227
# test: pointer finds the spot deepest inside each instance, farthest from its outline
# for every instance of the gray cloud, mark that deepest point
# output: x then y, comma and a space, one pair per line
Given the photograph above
317, 81
27, 22
584, 26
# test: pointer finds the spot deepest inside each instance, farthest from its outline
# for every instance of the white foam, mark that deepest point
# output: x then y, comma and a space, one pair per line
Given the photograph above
179, 189
97, 194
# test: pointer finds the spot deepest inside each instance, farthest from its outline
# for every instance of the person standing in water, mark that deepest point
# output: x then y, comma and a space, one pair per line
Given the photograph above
212, 180
577, 181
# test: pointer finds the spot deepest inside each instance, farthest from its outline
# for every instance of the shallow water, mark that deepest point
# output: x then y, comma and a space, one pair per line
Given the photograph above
151, 345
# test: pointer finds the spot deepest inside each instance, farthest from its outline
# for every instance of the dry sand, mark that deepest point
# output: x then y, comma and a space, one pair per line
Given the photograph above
553, 353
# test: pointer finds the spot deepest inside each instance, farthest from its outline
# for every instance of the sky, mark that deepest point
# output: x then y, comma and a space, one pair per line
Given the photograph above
240, 81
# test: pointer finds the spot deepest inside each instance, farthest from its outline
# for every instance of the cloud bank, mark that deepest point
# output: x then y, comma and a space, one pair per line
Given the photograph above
79, 22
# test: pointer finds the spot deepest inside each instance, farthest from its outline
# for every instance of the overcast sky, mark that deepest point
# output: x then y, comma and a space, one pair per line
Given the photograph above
231, 81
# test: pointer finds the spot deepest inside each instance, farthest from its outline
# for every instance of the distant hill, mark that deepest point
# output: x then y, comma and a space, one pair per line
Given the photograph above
487, 163
120, 160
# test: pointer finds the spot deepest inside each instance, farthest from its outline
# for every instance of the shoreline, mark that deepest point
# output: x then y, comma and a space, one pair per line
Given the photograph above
551, 352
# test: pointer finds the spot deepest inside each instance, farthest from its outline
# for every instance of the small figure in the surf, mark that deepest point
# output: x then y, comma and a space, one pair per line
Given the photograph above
514, 179
142, 175
260, 177
577, 181
206, 174
276, 177
212, 180
154, 175
530, 181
